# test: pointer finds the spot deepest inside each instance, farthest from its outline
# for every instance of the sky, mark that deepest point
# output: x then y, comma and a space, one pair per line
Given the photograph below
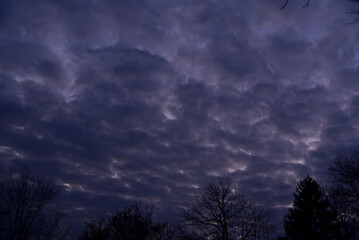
146, 101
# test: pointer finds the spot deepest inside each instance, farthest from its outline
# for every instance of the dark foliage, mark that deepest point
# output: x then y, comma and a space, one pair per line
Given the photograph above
222, 213
26, 212
311, 217
129, 223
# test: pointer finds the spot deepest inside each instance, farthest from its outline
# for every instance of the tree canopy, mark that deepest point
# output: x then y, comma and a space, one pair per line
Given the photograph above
26, 212
344, 191
311, 217
220, 212
128, 223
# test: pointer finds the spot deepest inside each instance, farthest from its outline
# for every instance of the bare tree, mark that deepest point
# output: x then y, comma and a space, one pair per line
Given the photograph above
129, 223
344, 192
222, 213
25, 208
345, 174
263, 229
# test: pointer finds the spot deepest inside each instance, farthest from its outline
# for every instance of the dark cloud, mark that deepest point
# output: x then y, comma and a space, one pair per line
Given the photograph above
123, 101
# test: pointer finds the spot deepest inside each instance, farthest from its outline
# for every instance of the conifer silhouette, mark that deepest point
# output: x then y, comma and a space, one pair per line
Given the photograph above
311, 217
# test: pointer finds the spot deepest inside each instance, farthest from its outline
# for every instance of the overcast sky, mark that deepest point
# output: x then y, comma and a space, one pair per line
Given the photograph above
147, 100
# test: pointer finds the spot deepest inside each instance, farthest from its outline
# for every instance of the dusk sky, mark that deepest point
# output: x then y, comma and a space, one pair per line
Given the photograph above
121, 101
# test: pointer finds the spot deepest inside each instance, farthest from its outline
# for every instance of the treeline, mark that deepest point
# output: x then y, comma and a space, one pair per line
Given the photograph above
218, 212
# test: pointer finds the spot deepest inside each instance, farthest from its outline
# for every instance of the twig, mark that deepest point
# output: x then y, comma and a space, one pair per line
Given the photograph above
285, 4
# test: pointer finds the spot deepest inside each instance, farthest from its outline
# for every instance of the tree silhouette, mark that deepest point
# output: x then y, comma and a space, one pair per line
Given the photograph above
129, 223
311, 217
222, 213
344, 192
25, 208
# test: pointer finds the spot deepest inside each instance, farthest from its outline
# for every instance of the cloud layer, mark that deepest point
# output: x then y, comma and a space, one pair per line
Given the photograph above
124, 101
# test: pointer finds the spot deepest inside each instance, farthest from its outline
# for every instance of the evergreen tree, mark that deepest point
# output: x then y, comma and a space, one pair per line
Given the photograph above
311, 217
